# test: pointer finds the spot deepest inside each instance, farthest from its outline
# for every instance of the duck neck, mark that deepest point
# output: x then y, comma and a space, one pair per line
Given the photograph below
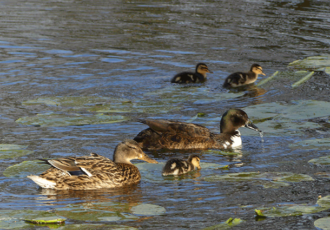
252, 75
117, 158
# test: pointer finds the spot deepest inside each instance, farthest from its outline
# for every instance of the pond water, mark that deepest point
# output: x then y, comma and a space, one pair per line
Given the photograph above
76, 75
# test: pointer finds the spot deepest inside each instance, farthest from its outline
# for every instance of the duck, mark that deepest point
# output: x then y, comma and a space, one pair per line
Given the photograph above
167, 134
240, 78
176, 166
94, 171
190, 77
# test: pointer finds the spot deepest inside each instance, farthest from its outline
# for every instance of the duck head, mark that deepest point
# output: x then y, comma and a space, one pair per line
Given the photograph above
234, 119
194, 160
202, 68
129, 150
257, 69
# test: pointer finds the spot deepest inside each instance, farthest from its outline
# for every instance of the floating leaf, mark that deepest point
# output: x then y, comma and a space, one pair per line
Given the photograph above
302, 80
225, 225
232, 152
267, 179
77, 102
288, 210
148, 210
95, 226
311, 63
54, 119
46, 220
13, 151
324, 202
323, 223
264, 81
24, 169
14, 219
103, 211
320, 144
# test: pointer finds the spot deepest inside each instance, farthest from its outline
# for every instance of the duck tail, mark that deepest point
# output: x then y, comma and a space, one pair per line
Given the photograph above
42, 182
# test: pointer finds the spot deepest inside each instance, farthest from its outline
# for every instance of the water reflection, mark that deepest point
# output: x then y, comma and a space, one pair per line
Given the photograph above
128, 194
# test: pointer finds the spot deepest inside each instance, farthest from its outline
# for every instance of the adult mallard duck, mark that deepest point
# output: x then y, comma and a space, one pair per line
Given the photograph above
94, 171
190, 77
165, 134
239, 78
176, 166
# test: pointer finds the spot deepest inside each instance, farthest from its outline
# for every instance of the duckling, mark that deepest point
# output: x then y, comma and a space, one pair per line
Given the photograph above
190, 77
176, 166
239, 78
166, 134
94, 171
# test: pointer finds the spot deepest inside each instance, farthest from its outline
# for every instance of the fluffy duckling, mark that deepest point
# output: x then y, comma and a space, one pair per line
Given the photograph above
94, 171
190, 77
165, 134
239, 78
176, 166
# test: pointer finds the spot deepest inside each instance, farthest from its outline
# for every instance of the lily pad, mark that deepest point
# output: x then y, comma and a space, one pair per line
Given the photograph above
14, 219
148, 210
323, 223
324, 202
55, 119
95, 226
288, 210
311, 63
321, 144
24, 169
13, 151
225, 225
46, 220
106, 211
232, 152
267, 179
74, 102
287, 118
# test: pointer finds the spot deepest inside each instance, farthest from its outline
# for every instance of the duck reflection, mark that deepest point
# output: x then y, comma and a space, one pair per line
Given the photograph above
131, 194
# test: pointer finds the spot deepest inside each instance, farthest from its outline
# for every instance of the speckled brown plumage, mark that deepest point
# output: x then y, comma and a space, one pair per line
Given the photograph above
94, 171
165, 134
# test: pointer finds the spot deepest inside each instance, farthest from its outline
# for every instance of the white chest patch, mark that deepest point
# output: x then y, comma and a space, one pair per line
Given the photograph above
237, 141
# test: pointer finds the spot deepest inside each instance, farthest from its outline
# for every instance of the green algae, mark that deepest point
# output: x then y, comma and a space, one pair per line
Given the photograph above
24, 169
231, 222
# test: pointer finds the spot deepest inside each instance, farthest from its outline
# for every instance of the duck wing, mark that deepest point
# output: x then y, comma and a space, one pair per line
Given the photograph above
177, 127
174, 135
81, 165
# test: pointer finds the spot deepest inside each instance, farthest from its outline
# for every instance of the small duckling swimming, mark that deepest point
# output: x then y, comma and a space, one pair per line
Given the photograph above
94, 171
190, 77
176, 166
239, 78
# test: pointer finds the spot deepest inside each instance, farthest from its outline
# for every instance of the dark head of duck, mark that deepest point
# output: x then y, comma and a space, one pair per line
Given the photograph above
257, 69
202, 69
234, 119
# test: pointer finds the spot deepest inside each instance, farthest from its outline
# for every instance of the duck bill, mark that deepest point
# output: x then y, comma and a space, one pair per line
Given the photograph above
146, 158
263, 73
250, 125
209, 71
198, 167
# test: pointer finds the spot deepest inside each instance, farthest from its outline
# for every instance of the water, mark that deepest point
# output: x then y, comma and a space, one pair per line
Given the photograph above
129, 50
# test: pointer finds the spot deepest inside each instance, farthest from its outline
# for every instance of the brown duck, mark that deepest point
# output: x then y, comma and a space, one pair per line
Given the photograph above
94, 171
190, 77
239, 78
165, 134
